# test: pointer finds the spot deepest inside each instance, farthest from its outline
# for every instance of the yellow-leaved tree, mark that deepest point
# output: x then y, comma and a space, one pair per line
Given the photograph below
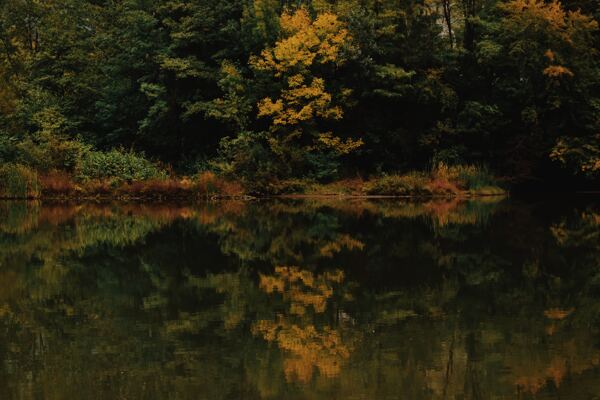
304, 105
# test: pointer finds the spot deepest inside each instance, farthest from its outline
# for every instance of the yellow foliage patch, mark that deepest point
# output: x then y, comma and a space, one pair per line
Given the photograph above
304, 43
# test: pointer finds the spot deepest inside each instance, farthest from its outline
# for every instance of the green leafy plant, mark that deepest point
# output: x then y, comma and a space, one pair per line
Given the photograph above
118, 165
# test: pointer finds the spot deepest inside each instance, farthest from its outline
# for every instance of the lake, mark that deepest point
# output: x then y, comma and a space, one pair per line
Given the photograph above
301, 299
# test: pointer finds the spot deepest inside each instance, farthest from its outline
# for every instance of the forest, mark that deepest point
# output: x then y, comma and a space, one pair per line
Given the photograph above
273, 96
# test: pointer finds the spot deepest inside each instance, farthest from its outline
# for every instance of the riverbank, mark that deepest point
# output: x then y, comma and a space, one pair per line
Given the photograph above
19, 182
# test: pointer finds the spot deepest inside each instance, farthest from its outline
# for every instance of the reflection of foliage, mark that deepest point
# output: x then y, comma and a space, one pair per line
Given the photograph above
584, 231
309, 347
343, 241
185, 300
302, 288
17, 217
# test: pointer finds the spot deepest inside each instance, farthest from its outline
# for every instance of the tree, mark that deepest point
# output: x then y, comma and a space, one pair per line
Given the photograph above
307, 50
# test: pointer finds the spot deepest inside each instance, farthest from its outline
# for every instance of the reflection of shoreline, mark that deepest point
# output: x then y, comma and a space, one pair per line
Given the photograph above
24, 216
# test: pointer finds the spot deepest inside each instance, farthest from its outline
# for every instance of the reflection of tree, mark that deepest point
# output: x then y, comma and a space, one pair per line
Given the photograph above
302, 288
308, 347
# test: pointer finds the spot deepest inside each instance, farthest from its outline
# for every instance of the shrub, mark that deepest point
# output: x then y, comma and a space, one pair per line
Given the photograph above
51, 153
119, 165
18, 182
7, 148
413, 183
248, 158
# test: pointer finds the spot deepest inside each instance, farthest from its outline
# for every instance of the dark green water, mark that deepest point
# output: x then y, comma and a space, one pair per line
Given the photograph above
301, 300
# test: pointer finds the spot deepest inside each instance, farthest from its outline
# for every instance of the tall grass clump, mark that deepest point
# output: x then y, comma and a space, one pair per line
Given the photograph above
118, 165
472, 178
410, 184
209, 184
18, 182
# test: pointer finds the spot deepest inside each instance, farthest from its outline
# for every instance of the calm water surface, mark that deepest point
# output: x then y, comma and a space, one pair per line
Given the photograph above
495, 299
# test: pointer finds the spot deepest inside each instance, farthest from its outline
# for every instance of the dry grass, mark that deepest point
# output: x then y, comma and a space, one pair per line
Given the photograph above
57, 183
209, 184
443, 187
462, 181
410, 184
157, 189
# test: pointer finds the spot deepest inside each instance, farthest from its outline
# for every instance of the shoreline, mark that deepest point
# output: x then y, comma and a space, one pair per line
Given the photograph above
444, 183
217, 197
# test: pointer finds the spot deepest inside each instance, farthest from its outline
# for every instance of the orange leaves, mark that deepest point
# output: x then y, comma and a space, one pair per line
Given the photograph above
556, 71
549, 17
557, 313
537, 22
530, 11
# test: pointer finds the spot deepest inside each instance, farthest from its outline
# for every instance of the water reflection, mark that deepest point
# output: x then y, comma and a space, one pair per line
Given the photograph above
306, 345
300, 299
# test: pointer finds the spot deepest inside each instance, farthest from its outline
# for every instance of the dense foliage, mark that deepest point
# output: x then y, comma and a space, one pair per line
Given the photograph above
262, 90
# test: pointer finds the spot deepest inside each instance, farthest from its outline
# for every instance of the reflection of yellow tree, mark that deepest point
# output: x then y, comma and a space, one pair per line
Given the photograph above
342, 241
307, 347
586, 230
302, 288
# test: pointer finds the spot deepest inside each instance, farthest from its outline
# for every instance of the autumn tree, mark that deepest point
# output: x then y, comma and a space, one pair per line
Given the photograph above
303, 105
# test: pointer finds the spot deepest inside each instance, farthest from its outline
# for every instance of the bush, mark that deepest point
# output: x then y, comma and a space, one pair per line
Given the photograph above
247, 158
413, 184
18, 182
51, 153
7, 148
118, 165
